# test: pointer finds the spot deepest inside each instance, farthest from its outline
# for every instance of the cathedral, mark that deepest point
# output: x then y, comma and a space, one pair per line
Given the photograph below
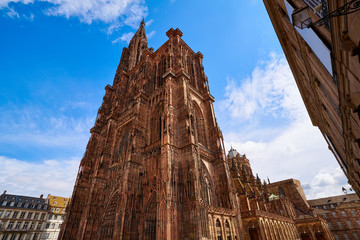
155, 165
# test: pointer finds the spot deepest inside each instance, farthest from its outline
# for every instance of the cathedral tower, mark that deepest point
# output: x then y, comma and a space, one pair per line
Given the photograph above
155, 166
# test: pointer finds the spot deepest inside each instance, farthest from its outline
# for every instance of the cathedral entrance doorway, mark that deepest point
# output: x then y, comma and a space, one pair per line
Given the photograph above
254, 235
320, 236
305, 236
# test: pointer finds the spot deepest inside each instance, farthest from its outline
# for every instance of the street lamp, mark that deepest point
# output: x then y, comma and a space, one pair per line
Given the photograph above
302, 19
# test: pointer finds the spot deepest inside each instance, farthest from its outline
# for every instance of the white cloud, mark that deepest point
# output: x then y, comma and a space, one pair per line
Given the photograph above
151, 34
126, 37
5, 3
148, 23
130, 12
12, 13
267, 91
292, 148
114, 27
39, 127
56, 177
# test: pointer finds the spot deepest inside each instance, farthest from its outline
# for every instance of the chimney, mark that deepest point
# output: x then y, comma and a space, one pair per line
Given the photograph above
41, 196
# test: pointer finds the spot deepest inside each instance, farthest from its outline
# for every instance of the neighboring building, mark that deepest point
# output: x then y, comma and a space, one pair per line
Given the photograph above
22, 217
327, 72
155, 165
273, 211
56, 215
342, 214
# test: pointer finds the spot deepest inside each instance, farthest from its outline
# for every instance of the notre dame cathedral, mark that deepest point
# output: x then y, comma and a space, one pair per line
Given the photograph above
155, 165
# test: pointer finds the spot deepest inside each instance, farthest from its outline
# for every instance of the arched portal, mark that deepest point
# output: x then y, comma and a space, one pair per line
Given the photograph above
108, 220
150, 218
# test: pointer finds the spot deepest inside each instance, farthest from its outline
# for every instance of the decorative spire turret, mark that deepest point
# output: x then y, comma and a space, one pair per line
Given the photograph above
137, 45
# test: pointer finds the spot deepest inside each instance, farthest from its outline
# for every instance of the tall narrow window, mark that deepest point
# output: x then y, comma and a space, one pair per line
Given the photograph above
218, 230
200, 125
155, 126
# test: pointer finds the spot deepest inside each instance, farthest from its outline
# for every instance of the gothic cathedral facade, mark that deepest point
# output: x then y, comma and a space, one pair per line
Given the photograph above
155, 165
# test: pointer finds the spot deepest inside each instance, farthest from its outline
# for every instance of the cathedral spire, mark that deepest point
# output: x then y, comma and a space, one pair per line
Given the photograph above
137, 45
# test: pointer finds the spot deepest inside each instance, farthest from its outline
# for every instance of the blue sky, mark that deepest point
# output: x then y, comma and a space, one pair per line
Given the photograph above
58, 55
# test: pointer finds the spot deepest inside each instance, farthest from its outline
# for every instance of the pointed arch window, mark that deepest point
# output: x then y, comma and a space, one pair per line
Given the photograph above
121, 149
227, 230
207, 189
155, 126
218, 230
200, 125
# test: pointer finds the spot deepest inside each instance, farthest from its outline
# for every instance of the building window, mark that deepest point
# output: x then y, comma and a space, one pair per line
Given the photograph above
339, 224
343, 213
10, 225
346, 236
22, 215
324, 215
19, 204
13, 237
336, 237
31, 226
52, 226
1, 212
35, 236
5, 237
1, 224
55, 203
317, 46
355, 235
18, 225
47, 225
353, 212
12, 204
25, 225
36, 216
50, 216
45, 235
4, 203
38, 226
348, 223
29, 215
330, 225
358, 222
15, 214
333, 213
42, 216
7, 214
324, 207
